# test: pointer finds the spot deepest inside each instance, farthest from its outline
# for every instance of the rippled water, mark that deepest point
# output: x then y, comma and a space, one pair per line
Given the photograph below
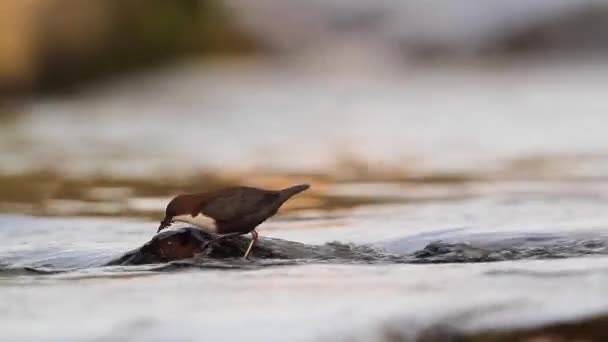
551, 246
519, 239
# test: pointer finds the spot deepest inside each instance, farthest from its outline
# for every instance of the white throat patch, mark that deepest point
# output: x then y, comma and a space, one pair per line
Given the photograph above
200, 221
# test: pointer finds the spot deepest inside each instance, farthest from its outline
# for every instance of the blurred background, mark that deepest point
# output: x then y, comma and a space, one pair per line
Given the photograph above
438, 136
108, 106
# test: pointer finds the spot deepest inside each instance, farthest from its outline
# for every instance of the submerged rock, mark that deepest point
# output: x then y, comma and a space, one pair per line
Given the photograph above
584, 329
440, 252
186, 243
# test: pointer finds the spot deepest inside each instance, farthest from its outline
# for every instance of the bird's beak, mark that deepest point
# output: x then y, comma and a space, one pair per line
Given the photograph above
163, 224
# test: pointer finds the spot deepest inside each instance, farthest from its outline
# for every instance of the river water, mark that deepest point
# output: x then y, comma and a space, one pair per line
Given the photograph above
519, 239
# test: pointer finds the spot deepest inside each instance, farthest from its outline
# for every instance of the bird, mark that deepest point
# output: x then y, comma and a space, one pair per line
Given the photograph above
230, 211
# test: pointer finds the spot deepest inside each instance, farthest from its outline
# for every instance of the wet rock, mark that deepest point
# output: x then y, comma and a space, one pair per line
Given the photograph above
582, 30
452, 252
587, 329
187, 243
445, 252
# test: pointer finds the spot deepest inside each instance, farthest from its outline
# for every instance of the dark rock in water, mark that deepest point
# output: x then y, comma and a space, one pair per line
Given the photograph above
586, 329
580, 30
440, 252
589, 328
187, 243
164, 247
447, 252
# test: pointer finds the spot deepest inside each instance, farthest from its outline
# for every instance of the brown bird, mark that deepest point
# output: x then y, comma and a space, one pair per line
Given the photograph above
228, 212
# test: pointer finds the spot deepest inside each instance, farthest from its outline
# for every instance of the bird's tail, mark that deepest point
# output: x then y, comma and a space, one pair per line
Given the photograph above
287, 193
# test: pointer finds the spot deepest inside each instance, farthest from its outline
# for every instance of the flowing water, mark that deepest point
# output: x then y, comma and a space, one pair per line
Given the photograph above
519, 238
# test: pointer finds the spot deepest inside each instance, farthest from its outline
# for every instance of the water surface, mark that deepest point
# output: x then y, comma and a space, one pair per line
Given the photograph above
550, 264
483, 191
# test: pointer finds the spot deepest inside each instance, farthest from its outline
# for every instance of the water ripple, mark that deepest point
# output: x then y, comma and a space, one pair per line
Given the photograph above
341, 253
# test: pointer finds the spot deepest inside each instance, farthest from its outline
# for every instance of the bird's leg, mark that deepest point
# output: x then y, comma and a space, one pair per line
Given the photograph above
254, 237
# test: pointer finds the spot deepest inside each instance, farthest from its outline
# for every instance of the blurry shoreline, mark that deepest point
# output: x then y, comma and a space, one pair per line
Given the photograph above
123, 148
55, 47
50, 50
54, 193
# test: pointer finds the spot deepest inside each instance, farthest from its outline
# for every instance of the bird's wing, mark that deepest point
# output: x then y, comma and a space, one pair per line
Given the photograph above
234, 203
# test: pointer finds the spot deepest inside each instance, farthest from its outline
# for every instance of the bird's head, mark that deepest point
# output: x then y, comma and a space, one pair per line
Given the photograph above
170, 212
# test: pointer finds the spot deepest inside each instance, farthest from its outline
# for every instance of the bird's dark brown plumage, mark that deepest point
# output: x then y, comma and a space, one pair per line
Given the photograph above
232, 210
